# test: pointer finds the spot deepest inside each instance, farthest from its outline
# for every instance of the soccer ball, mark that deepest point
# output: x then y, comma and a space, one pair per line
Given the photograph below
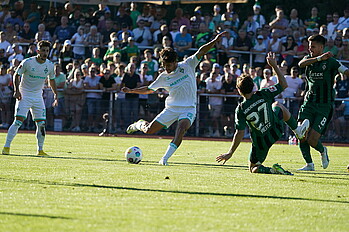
133, 155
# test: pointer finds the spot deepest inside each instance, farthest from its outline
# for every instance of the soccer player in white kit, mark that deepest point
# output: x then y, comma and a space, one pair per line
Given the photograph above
180, 81
28, 81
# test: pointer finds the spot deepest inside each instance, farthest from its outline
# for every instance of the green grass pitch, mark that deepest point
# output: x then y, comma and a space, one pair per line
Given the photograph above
88, 186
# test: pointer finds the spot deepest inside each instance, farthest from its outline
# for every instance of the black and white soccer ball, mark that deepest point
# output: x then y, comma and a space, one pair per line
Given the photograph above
133, 155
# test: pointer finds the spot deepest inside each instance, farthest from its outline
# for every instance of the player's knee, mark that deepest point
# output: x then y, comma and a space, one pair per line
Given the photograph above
17, 123
312, 141
41, 127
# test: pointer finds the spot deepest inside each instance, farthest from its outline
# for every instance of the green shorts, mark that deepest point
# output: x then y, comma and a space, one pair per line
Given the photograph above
319, 115
259, 153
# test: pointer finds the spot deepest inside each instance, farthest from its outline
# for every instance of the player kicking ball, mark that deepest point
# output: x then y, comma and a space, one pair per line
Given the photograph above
29, 79
264, 118
180, 81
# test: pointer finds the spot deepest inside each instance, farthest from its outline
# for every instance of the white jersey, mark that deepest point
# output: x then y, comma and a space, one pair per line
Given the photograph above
34, 75
181, 84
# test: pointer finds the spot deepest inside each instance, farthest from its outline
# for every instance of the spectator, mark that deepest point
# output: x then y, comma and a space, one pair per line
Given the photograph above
108, 56
259, 60
258, 17
195, 21
34, 17
145, 80
91, 82
330, 47
343, 53
107, 84
314, 20
17, 54
289, 50
174, 30
159, 20
295, 22
152, 64
31, 51
230, 103
226, 44
4, 44
243, 43
11, 34
217, 16
4, 14
180, 20
123, 18
14, 19
146, 17
203, 37
142, 34
51, 20
64, 31
279, 24
323, 31
292, 91
93, 39
342, 86
78, 41
274, 44
303, 49
215, 104
250, 25
5, 97
229, 14
130, 50
65, 55
344, 21
124, 28
183, 42
96, 59
267, 81
107, 31
131, 80
134, 14
124, 39
55, 51
258, 77
332, 27
163, 32
60, 79
342, 122
119, 104
42, 34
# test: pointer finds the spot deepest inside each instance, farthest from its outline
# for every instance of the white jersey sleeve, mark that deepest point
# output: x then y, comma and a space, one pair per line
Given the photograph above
192, 61
158, 83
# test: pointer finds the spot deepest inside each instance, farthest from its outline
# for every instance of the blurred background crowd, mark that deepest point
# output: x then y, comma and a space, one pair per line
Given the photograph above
98, 50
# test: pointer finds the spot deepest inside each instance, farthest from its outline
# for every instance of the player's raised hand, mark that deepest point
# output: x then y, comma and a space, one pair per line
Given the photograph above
17, 95
223, 157
271, 59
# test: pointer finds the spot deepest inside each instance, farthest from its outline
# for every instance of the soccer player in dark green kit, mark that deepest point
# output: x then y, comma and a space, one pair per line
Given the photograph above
265, 119
320, 69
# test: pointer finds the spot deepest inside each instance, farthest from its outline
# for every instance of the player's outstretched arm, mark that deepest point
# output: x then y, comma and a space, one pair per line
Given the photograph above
271, 59
140, 90
16, 81
238, 136
308, 61
206, 47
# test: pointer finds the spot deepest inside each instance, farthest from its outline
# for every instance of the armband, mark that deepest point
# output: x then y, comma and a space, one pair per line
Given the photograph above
318, 58
342, 69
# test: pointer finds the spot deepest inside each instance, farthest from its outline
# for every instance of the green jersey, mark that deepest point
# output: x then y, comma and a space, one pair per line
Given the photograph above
257, 113
320, 80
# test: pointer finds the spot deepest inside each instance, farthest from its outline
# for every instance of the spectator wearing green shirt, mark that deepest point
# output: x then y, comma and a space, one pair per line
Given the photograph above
130, 50
96, 59
60, 80
109, 54
153, 65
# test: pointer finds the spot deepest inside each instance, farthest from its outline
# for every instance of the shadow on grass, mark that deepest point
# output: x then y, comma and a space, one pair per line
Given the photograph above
143, 162
34, 215
170, 191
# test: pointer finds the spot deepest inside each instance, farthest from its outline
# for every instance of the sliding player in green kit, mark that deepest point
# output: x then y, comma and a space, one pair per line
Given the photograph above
265, 119
320, 69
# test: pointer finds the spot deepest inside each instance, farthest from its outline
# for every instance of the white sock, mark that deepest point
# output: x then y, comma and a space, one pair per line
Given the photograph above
169, 152
12, 132
140, 124
40, 134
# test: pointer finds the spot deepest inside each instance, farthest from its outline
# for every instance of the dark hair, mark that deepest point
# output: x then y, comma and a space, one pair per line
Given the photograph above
168, 55
317, 38
44, 43
245, 84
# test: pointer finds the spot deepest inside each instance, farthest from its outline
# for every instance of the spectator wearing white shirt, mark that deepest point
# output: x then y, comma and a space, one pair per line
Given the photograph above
259, 60
344, 21
142, 34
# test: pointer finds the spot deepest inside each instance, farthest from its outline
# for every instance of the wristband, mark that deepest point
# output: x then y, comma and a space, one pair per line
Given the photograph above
318, 58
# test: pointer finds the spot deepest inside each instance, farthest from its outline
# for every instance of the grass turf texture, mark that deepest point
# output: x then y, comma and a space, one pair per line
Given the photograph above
88, 186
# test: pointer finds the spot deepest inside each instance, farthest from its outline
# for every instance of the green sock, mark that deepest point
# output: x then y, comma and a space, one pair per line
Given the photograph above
292, 123
266, 170
319, 147
305, 149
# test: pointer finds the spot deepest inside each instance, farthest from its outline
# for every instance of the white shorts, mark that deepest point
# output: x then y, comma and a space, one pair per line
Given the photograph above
169, 115
35, 105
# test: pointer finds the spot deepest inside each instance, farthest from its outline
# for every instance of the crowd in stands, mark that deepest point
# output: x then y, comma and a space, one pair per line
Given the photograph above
99, 50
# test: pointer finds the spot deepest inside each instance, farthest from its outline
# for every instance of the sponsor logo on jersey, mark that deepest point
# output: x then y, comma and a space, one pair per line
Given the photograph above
272, 88
179, 80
